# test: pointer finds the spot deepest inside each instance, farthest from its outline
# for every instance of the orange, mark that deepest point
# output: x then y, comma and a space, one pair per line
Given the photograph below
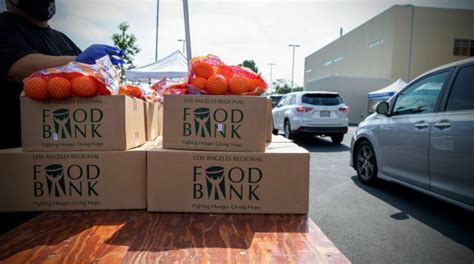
84, 86
203, 69
256, 83
238, 85
123, 90
36, 88
199, 82
217, 84
225, 71
59, 87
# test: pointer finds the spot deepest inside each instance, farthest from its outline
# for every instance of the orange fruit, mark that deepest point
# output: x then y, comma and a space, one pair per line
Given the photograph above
256, 83
36, 88
225, 71
217, 84
59, 87
203, 69
84, 86
238, 85
199, 82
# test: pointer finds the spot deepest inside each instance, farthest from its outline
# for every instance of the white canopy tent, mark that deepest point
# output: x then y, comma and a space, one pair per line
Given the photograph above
174, 65
388, 91
384, 94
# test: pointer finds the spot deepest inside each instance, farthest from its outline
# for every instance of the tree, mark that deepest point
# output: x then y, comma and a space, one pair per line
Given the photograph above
126, 42
250, 64
286, 89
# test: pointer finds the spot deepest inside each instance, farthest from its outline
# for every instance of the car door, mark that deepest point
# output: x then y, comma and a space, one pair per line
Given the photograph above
404, 137
278, 113
451, 152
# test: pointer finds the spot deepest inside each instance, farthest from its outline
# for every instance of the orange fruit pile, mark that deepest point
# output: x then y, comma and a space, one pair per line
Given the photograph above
59, 87
36, 88
217, 84
199, 82
222, 79
238, 85
84, 86
203, 69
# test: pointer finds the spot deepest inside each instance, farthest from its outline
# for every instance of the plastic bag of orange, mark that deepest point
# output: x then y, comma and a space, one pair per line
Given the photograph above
73, 79
209, 75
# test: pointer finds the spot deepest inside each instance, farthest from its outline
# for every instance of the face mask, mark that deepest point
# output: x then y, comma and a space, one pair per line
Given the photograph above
41, 10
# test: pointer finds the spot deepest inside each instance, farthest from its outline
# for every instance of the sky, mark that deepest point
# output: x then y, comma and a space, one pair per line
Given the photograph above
233, 30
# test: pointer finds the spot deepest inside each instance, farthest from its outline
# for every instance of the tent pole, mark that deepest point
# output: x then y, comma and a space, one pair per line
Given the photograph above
187, 31
157, 20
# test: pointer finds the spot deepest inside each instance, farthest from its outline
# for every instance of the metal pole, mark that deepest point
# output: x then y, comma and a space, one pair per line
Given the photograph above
184, 43
293, 64
157, 22
187, 30
271, 82
410, 44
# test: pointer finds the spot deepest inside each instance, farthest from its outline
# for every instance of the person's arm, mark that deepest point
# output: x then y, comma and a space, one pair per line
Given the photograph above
35, 62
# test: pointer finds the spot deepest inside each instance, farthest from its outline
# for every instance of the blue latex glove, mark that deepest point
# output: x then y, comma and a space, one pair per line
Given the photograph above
97, 51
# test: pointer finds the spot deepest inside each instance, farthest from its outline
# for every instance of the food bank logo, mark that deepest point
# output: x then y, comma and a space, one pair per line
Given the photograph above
56, 180
64, 123
218, 183
205, 123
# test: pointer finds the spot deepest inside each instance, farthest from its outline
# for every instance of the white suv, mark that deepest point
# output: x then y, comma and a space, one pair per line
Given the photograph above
311, 113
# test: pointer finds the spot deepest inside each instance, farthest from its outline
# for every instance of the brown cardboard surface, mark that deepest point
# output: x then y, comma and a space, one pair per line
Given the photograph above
273, 182
152, 120
269, 119
98, 123
85, 180
280, 139
227, 123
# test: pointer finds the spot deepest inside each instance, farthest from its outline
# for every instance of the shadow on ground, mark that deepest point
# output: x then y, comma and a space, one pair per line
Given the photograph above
320, 144
452, 221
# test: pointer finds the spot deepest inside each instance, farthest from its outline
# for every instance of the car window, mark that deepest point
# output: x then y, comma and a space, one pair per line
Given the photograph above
292, 100
282, 101
322, 99
461, 96
421, 96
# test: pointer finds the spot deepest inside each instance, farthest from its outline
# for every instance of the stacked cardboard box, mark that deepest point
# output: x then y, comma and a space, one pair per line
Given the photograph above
215, 158
77, 155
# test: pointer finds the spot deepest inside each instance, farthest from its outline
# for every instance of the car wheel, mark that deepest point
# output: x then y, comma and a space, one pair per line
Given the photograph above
274, 131
287, 131
337, 139
366, 163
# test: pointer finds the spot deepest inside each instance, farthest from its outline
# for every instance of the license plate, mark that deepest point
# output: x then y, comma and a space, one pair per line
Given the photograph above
324, 114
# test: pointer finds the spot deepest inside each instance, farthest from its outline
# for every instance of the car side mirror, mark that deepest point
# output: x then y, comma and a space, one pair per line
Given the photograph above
382, 108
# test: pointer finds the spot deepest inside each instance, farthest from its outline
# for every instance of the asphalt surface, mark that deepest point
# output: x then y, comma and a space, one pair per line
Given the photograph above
388, 223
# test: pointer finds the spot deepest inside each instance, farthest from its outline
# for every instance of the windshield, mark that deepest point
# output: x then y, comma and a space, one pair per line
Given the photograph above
322, 99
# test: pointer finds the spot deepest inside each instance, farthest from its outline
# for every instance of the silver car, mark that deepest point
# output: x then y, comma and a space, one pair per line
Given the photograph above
311, 113
423, 137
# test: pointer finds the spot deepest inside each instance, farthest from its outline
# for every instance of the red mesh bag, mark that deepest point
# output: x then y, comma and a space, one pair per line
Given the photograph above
248, 83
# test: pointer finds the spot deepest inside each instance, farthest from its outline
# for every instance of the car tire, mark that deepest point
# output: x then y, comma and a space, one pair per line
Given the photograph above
366, 163
287, 130
337, 139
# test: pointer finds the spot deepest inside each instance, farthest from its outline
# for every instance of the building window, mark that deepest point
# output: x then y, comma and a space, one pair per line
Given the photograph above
376, 43
463, 47
338, 59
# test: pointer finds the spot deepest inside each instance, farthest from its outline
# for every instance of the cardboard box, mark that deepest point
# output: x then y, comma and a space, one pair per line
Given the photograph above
230, 123
50, 181
98, 123
274, 182
280, 139
269, 120
152, 120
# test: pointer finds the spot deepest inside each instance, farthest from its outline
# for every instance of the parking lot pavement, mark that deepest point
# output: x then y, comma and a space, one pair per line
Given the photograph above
388, 223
